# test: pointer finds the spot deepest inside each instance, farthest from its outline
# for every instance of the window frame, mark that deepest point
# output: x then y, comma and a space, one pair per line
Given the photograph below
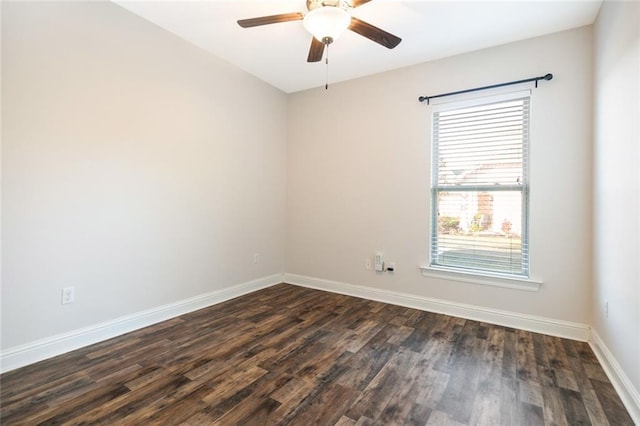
477, 275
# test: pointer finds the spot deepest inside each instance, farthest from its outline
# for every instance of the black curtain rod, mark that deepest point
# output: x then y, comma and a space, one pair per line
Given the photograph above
536, 79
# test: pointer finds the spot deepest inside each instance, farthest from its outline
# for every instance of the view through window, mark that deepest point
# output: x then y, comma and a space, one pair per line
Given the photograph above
480, 188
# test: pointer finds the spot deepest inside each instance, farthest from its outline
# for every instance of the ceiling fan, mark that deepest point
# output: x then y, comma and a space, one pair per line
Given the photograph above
326, 20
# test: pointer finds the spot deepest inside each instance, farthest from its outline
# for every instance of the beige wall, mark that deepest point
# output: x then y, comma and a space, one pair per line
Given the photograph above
617, 183
358, 176
136, 168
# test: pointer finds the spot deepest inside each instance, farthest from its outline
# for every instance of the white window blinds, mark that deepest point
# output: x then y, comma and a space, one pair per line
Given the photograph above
480, 188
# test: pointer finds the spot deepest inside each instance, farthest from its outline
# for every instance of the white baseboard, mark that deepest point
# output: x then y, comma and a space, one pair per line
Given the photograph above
536, 324
628, 393
39, 350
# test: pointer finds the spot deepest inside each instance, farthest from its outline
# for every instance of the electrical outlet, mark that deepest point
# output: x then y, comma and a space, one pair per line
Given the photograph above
367, 263
379, 261
68, 295
256, 257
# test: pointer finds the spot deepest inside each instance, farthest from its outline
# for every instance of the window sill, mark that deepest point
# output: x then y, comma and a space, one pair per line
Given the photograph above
515, 283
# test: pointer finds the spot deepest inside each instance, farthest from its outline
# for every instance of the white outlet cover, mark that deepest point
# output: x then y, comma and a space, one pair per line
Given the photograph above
68, 295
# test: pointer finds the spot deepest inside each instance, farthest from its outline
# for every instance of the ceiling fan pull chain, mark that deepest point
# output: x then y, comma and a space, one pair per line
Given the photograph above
326, 84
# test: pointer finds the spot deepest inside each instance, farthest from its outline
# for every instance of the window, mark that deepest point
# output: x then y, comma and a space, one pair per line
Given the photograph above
480, 192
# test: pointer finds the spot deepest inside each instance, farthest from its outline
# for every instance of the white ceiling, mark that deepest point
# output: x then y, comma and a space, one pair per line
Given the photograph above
429, 30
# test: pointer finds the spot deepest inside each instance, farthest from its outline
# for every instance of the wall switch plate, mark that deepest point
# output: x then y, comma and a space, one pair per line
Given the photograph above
256, 257
367, 264
68, 295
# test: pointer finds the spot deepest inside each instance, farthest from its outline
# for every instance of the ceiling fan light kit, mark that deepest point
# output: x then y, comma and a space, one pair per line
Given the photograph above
327, 23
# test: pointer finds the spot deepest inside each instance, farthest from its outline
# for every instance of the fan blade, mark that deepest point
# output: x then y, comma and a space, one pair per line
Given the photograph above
273, 19
315, 51
358, 3
376, 34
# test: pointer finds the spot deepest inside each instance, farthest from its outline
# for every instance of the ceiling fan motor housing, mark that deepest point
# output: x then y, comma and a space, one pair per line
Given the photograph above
342, 4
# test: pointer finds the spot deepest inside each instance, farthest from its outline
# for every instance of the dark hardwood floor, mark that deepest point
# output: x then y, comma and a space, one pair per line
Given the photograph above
291, 355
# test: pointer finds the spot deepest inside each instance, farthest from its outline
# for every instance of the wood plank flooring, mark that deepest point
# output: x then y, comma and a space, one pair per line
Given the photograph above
291, 355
